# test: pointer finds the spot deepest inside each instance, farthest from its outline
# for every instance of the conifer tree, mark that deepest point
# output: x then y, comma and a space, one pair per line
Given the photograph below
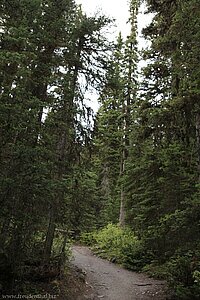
162, 170
130, 90
108, 134
46, 47
114, 121
69, 113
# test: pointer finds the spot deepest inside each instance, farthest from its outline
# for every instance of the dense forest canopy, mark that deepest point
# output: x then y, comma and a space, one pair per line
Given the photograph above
137, 164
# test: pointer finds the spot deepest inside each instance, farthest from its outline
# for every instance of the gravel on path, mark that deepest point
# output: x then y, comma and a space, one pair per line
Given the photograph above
112, 282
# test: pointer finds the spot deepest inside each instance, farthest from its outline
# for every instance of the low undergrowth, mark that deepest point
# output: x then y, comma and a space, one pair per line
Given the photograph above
118, 245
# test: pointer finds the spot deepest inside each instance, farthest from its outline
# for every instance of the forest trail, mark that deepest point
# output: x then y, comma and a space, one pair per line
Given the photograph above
112, 282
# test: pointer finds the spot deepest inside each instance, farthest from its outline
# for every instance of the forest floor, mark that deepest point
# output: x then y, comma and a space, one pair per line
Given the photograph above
105, 280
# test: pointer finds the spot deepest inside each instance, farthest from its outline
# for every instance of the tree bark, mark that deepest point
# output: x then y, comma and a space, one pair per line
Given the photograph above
198, 143
122, 171
62, 146
4, 232
122, 209
49, 236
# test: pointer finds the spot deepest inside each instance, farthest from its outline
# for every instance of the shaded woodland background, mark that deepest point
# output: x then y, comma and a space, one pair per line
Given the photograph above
65, 172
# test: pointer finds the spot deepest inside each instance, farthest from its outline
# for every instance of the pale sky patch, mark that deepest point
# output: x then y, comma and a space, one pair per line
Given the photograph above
119, 10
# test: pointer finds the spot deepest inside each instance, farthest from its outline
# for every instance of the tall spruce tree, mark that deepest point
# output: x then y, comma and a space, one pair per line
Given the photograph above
114, 121
165, 147
108, 135
47, 47
69, 112
130, 92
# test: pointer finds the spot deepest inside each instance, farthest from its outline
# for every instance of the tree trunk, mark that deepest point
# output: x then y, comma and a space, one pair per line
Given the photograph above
49, 236
62, 146
122, 197
122, 209
198, 142
4, 232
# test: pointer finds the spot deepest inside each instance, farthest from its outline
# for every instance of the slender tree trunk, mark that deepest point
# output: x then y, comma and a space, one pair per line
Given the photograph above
49, 236
16, 245
4, 232
198, 142
62, 146
122, 214
122, 171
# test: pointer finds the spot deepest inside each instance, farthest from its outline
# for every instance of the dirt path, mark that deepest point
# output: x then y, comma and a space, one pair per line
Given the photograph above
112, 282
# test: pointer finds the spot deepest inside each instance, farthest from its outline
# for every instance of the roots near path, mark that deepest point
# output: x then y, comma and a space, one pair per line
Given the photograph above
111, 282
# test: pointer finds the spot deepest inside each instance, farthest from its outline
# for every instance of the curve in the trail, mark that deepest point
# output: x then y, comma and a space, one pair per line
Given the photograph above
112, 282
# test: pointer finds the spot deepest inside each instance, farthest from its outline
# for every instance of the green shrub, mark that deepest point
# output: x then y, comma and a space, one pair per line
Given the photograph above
184, 275
117, 244
87, 238
155, 270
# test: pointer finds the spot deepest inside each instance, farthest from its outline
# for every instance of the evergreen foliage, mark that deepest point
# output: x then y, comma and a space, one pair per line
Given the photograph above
140, 164
161, 181
51, 54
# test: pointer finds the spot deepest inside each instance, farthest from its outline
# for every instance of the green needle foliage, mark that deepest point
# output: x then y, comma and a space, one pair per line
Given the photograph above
162, 139
139, 165
48, 50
